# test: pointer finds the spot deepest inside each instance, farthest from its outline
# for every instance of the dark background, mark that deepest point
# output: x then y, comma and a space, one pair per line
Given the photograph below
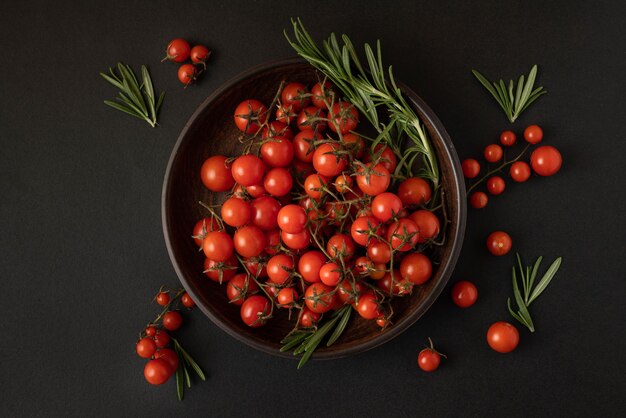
82, 250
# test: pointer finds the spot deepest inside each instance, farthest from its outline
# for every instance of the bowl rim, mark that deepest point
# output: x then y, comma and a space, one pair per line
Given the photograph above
449, 151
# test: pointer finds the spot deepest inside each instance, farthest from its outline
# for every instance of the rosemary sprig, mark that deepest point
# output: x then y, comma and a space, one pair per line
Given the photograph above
369, 91
527, 276
307, 341
512, 103
182, 373
135, 99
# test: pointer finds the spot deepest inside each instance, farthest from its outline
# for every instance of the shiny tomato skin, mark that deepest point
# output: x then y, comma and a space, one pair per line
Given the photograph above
416, 268
340, 244
292, 219
199, 54
403, 234
368, 307
248, 170
295, 95
319, 298
533, 134
254, 310
187, 301
428, 360
286, 297
264, 211
508, 138
546, 160
297, 241
157, 371
414, 191
427, 224
187, 74
376, 181
218, 246
464, 294
161, 338
249, 241
315, 186
320, 94
216, 174
277, 151
172, 320
145, 347
303, 145
379, 252
236, 212
386, 206
520, 171
345, 117
502, 337
330, 274
326, 162
361, 229
169, 356
278, 181
309, 318
277, 129
471, 168
493, 153
310, 264
384, 155
226, 269
250, 115
499, 243
280, 269
312, 118
348, 291
240, 287
496, 185
354, 143
202, 227
478, 200
177, 50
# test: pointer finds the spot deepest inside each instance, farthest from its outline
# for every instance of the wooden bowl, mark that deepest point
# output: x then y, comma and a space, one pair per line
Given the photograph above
211, 131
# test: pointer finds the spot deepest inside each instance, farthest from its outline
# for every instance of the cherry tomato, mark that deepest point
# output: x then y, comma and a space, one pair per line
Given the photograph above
295, 95
177, 50
386, 206
533, 134
384, 155
216, 174
187, 74
170, 357
254, 311
502, 337
280, 269
146, 347
157, 371
427, 224
172, 320
277, 129
256, 266
303, 145
414, 191
478, 200
163, 298
429, 359
403, 234
286, 297
471, 168
368, 307
393, 284
278, 181
320, 94
285, 114
520, 171
330, 274
416, 268
546, 160
319, 298
292, 219
264, 211
186, 300
327, 162
464, 294
297, 241
250, 115
218, 246
345, 117
312, 118
248, 170
362, 228
379, 252
495, 185
240, 287
310, 264
199, 54
254, 191
151, 331
249, 241
493, 153
340, 245
277, 151
236, 212
202, 227
499, 243
343, 183
314, 186
161, 338
508, 138
309, 318
348, 291
354, 143
373, 179
220, 271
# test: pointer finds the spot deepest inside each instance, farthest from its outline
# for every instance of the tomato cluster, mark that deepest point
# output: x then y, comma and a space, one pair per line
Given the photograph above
314, 219
179, 51
155, 341
545, 161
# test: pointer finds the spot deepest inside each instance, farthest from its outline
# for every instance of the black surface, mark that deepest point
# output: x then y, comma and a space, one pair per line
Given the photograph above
82, 250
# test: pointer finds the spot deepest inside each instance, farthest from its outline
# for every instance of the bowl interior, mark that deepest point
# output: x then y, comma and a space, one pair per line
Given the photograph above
211, 131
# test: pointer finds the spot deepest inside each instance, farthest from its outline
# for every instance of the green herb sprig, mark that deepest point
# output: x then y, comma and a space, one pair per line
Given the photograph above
369, 92
308, 340
138, 100
513, 103
182, 373
527, 276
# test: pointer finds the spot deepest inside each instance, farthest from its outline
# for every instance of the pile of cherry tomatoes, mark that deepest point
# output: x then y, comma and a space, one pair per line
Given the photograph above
179, 51
314, 218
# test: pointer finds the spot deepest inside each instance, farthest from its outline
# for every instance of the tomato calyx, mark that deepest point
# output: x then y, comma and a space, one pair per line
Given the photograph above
431, 348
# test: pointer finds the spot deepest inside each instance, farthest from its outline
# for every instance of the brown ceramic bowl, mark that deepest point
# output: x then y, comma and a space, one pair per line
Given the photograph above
211, 131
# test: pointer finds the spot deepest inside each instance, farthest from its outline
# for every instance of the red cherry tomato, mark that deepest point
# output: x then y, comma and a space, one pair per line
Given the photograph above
199, 54
427, 224
161, 338
386, 206
146, 347
216, 174
471, 168
249, 241
403, 234
330, 274
170, 357
533, 134
277, 129
177, 50
416, 268
221, 271
312, 118
546, 160
384, 155
354, 143
314, 186
499, 243
340, 245
264, 212
495, 185
493, 153
326, 160
362, 228
520, 171
508, 138
373, 179
218, 246
429, 359
345, 117
278, 181
280, 269
368, 306
292, 219
414, 191
310, 264
277, 151
186, 300
163, 298
309, 318
320, 94
303, 146
379, 252
502, 337
202, 227
286, 297
296, 96
151, 331
254, 311
236, 212
240, 287
187, 74
250, 115
478, 200
464, 294
172, 320
248, 170
297, 241
319, 298
157, 371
